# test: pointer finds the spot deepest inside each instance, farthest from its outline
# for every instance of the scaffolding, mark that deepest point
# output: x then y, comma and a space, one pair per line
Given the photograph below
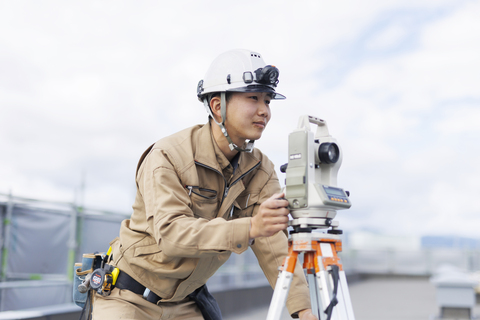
40, 242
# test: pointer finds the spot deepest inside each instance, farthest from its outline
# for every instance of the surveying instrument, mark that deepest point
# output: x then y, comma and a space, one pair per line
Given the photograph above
314, 198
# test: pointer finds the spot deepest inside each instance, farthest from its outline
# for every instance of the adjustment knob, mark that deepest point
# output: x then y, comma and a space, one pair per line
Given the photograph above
335, 231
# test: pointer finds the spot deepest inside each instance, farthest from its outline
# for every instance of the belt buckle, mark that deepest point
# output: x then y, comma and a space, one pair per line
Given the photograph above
145, 293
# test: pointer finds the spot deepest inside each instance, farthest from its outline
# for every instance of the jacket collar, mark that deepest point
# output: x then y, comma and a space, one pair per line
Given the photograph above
206, 150
208, 153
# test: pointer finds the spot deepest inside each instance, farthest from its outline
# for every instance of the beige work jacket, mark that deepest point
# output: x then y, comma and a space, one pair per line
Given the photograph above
190, 213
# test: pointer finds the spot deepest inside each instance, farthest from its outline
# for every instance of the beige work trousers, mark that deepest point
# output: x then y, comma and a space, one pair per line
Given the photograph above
124, 304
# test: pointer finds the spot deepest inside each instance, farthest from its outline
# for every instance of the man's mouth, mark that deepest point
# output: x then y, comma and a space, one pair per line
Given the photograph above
260, 123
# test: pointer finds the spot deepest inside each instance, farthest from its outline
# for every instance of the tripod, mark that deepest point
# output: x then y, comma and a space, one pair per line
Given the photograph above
329, 293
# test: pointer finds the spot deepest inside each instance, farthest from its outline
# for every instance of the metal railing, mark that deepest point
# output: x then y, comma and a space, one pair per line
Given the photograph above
40, 242
92, 230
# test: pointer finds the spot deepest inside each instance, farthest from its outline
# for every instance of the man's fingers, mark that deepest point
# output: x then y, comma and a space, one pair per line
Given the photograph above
281, 203
278, 195
282, 219
278, 212
276, 201
272, 216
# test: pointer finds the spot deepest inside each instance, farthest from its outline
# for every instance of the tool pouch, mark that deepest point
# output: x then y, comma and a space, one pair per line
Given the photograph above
81, 271
206, 303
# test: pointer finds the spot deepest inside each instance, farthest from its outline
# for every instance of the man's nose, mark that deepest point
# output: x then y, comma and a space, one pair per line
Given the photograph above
263, 109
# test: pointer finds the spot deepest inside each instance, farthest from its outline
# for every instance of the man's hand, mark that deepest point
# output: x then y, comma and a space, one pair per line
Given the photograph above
307, 315
272, 216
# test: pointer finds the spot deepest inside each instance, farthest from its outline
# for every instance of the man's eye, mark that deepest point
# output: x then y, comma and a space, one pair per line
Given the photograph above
267, 101
254, 98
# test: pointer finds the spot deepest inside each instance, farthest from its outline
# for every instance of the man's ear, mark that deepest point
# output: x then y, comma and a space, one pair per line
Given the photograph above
216, 107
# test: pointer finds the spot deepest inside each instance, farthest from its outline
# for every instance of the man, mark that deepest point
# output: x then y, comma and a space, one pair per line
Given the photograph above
202, 194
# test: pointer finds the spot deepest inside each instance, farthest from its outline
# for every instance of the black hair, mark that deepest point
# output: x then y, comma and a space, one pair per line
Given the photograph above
228, 96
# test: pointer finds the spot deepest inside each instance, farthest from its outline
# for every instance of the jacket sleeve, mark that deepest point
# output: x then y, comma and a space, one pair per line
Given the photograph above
271, 252
176, 230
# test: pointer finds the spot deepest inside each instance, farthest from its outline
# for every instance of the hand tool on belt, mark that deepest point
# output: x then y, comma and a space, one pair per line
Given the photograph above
103, 279
107, 277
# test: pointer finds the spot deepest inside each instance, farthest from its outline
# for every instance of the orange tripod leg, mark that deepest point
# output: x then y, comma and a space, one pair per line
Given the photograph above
283, 285
291, 259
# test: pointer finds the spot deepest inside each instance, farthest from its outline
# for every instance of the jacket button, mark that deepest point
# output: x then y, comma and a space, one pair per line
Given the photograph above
239, 246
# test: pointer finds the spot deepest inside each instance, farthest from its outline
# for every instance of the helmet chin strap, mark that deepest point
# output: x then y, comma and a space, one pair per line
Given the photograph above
223, 110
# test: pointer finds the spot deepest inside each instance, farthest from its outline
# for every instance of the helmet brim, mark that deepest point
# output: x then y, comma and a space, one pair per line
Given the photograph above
259, 88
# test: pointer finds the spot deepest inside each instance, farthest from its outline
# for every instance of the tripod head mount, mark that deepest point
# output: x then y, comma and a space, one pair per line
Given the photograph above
311, 177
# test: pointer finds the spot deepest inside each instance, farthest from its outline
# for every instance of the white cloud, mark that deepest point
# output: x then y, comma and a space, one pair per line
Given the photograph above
387, 38
459, 119
88, 86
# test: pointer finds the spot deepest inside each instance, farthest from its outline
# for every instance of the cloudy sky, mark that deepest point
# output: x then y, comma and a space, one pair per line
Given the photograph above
86, 86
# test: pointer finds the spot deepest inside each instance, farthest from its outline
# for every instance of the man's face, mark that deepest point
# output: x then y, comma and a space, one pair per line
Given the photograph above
247, 115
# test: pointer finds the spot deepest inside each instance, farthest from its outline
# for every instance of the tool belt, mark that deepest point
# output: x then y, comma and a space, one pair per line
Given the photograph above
202, 297
124, 281
94, 274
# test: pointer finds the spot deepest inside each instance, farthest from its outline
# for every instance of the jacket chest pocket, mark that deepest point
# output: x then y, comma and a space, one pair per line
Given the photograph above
205, 203
244, 205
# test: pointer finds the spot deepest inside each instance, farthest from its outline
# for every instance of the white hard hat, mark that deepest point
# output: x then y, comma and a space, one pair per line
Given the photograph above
239, 71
